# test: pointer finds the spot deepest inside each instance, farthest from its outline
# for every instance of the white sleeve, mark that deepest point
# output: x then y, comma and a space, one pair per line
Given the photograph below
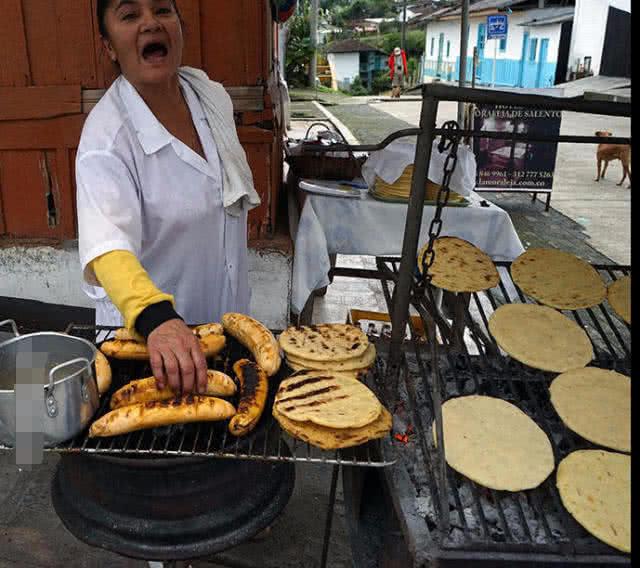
108, 205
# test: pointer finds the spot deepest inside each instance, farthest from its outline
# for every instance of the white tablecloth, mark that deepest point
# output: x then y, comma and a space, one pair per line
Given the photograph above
335, 225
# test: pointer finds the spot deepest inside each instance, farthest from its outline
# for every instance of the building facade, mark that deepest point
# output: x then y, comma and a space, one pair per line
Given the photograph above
548, 42
602, 35
351, 58
528, 57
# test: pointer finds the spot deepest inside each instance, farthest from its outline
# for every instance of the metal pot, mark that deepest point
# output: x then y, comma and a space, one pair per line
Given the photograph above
61, 365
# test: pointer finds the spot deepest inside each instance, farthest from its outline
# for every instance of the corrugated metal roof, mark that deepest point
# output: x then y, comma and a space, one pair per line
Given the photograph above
478, 6
350, 46
547, 16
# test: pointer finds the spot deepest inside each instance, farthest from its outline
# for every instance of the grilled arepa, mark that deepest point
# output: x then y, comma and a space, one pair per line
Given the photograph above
328, 399
336, 438
324, 342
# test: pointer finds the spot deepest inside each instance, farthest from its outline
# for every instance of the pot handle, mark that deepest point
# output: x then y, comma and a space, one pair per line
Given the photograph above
13, 326
52, 407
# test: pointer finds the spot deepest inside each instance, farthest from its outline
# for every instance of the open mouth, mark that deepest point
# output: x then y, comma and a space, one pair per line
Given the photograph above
154, 52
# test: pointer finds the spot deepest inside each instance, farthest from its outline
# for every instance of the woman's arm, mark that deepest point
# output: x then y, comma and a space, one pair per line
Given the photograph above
175, 354
132, 291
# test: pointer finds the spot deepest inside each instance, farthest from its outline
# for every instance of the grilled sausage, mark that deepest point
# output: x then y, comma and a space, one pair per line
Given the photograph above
161, 413
254, 387
211, 345
255, 337
146, 390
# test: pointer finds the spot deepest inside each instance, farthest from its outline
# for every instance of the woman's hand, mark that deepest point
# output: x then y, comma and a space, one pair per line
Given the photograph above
177, 358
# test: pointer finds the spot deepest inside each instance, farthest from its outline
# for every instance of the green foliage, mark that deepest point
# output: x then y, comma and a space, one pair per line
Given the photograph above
412, 66
389, 27
381, 82
414, 46
345, 12
358, 88
299, 49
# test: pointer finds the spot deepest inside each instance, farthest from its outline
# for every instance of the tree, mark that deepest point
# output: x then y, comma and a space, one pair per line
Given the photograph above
414, 45
299, 48
355, 10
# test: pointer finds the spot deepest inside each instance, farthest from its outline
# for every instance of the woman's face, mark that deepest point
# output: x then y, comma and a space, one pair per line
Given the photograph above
145, 38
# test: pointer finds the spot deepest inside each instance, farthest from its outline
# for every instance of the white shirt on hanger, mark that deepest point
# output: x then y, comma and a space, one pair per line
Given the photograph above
142, 190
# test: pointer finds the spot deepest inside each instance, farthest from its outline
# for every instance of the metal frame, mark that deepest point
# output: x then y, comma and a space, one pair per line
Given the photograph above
210, 439
448, 339
407, 291
476, 367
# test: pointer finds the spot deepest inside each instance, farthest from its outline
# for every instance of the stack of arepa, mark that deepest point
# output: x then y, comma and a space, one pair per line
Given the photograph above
329, 410
336, 347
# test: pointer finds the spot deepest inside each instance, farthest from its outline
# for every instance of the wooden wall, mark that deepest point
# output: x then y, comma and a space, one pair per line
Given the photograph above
53, 69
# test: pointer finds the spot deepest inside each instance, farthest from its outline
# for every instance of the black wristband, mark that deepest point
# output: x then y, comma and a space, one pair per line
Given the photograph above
153, 316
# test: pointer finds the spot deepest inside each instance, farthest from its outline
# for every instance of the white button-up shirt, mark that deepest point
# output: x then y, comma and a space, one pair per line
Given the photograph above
142, 190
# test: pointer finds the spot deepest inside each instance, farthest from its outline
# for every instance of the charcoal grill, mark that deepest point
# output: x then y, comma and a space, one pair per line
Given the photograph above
479, 523
465, 521
444, 517
266, 443
193, 490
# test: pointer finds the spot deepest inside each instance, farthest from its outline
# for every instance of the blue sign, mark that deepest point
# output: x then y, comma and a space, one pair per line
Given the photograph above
497, 26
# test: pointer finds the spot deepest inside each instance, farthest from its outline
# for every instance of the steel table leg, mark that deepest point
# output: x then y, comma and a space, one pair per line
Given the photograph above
329, 521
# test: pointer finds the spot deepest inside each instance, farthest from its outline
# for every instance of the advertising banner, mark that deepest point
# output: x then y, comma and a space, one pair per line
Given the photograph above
515, 165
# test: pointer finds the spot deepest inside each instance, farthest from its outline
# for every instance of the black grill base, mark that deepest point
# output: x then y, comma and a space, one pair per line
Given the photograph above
168, 509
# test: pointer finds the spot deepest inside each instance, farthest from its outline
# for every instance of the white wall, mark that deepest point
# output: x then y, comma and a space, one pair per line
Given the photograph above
344, 67
589, 27
515, 34
53, 275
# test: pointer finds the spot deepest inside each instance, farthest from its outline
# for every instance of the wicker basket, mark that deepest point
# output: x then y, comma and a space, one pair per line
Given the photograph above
321, 166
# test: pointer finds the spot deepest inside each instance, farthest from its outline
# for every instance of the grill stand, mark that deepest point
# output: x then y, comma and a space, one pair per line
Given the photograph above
92, 507
175, 509
485, 371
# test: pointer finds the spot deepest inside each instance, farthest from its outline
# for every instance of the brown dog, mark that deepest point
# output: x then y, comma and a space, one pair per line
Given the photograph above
608, 152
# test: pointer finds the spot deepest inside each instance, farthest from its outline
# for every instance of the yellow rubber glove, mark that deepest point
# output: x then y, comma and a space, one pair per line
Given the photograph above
127, 284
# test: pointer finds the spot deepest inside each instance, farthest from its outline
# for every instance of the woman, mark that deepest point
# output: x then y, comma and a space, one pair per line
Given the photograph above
163, 190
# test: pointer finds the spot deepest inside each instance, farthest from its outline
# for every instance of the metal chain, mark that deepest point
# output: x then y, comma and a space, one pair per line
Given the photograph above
448, 141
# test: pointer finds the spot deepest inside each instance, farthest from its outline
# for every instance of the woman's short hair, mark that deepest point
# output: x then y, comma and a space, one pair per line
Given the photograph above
101, 11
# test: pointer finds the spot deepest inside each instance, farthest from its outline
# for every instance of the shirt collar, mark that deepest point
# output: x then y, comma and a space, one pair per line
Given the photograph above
151, 133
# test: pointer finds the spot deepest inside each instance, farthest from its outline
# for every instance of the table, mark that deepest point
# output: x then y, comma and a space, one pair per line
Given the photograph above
337, 225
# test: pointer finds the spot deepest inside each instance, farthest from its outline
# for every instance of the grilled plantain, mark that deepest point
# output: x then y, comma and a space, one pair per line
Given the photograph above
161, 413
208, 329
211, 345
254, 387
146, 390
103, 373
199, 330
256, 338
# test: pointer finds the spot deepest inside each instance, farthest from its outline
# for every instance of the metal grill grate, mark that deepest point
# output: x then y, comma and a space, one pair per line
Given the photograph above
268, 442
478, 519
